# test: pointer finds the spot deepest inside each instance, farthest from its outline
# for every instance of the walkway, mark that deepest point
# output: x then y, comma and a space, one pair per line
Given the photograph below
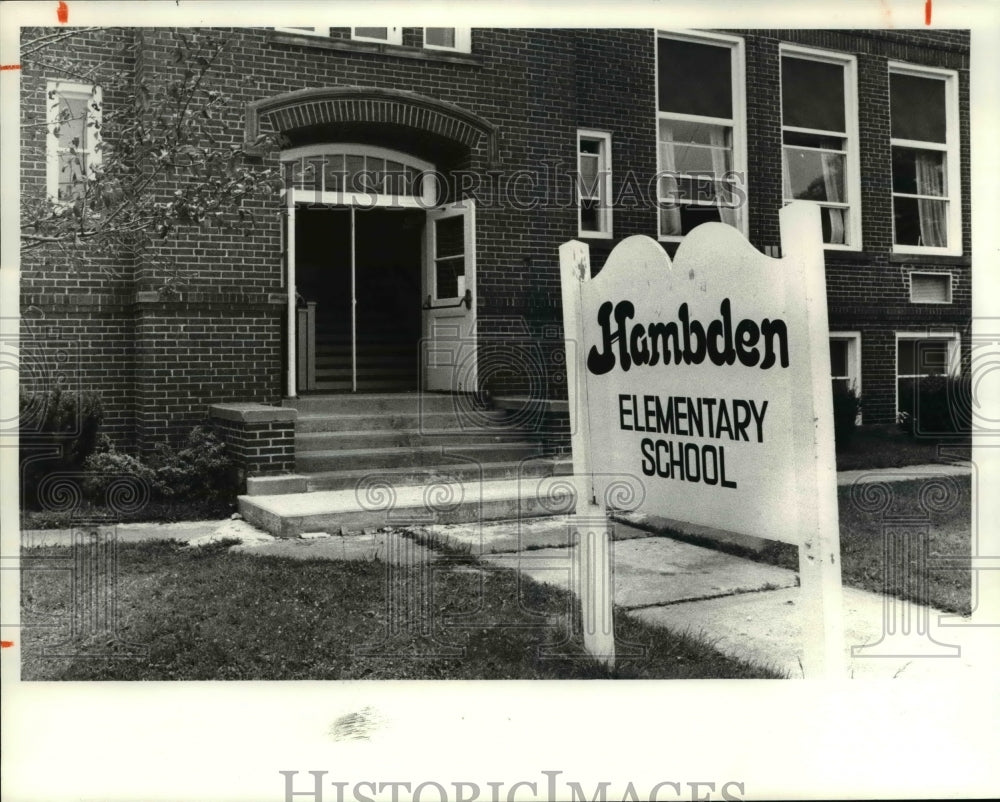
745, 608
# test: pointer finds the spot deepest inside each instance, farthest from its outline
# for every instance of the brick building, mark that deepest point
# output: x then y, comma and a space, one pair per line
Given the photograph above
433, 173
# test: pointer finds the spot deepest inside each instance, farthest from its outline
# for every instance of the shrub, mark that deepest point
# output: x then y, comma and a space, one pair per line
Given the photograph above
846, 405
199, 471
935, 405
58, 420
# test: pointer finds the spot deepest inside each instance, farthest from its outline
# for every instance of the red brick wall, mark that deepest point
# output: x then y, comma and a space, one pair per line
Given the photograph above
160, 362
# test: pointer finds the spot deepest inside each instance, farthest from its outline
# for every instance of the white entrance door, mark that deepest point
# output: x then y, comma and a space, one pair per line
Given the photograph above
448, 349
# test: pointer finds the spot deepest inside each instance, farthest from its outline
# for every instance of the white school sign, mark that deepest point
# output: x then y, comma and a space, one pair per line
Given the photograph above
705, 383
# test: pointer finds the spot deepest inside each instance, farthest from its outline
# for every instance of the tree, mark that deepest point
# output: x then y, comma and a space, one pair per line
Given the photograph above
163, 160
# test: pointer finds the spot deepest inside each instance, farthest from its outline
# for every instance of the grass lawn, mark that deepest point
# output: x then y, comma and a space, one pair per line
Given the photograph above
918, 510
151, 511
204, 614
910, 512
888, 447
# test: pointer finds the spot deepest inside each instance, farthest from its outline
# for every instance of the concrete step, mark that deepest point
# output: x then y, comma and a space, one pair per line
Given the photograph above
380, 458
460, 502
399, 438
377, 403
398, 384
444, 472
319, 422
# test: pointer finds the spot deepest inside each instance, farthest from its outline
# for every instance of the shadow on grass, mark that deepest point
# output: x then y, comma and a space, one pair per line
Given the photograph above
208, 614
921, 532
889, 447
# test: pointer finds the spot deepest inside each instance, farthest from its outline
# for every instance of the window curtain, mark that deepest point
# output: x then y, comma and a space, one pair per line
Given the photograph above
930, 181
830, 163
717, 139
671, 217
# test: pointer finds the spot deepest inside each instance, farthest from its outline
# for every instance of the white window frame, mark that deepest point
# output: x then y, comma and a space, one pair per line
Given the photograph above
53, 90
738, 123
936, 274
951, 150
463, 41
853, 377
394, 36
954, 350
604, 212
852, 159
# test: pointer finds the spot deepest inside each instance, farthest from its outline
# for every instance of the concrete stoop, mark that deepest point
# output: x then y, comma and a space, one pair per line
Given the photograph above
378, 505
369, 460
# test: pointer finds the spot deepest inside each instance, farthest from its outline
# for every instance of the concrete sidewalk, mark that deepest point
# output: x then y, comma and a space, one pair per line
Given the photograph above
745, 608
904, 473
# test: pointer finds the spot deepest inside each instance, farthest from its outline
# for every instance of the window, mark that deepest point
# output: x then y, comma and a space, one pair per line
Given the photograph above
593, 164
74, 122
457, 39
930, 288
845, 360
389, 36
307, 31
926, 209
845, 363
700, 127
819, 140
919, 356
361, 174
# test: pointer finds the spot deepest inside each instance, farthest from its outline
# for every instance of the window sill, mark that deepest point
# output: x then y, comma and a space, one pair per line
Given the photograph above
929, 258
373, 48
594, 235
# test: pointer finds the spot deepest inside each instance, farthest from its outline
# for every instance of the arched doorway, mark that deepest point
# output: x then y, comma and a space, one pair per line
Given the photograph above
382, 274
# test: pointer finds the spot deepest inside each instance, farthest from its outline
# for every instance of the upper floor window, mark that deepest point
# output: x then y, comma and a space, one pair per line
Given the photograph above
819, 131
926, 204
389, 36
700, 132
457, 39
594, 183
74, 135
307, 31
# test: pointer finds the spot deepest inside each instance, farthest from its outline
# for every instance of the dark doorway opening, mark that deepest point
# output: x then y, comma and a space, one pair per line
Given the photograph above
382, 344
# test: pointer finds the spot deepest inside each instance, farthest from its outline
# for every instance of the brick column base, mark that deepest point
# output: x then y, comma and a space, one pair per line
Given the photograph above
260, 438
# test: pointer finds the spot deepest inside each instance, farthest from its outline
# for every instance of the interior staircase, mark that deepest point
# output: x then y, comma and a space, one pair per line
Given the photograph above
381, 366
369, 460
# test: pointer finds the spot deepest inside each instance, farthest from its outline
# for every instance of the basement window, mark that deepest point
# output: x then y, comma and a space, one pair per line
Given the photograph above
930, 288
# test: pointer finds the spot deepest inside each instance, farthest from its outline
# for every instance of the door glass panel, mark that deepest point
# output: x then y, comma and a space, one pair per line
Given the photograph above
450, 237
449, 256
448, 272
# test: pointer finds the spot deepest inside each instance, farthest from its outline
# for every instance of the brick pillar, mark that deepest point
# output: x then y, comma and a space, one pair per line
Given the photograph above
260, 438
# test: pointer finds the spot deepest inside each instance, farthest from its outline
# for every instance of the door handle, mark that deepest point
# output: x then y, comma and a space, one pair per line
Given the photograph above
466, 300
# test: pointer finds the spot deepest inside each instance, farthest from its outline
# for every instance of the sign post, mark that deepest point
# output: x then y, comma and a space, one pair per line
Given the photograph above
592, 571
708, 380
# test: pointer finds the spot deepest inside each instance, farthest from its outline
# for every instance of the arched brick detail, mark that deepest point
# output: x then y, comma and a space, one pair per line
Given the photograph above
313, 106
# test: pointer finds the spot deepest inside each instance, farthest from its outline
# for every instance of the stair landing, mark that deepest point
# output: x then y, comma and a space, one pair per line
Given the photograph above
366, 461
341, 511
